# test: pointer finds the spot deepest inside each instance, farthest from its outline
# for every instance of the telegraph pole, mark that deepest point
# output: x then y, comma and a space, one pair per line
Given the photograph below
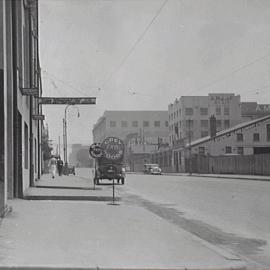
189, 146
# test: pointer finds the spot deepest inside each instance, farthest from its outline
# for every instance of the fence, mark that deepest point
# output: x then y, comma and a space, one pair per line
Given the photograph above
250, 165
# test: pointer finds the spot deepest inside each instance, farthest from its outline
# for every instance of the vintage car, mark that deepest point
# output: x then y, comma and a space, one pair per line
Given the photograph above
152, 169
109, 161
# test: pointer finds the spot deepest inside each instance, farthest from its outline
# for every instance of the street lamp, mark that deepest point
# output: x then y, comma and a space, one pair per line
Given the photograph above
65, 136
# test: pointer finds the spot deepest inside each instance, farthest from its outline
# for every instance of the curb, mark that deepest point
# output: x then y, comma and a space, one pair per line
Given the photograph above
69, 198
230, 176
101, 268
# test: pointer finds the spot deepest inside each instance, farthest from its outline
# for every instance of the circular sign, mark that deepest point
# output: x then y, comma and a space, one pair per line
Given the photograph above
95, 150
113, 149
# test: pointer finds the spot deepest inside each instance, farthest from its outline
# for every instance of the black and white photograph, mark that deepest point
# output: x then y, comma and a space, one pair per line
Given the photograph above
135, 134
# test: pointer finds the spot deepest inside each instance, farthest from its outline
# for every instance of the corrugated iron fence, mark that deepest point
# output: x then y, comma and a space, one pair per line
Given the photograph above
250, 165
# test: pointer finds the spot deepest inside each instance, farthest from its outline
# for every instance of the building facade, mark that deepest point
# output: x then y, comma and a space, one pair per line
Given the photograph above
189, 116
141, 126
245, 139
20, 137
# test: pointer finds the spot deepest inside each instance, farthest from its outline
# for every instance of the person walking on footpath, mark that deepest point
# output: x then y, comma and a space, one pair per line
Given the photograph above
52, 165
60, 165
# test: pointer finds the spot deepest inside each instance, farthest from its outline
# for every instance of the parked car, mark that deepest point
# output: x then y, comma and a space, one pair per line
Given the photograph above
152, 169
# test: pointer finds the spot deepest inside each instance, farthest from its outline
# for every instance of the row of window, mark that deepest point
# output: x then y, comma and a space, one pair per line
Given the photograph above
256, 137
204, 124
228, 150
125, 124
203, 111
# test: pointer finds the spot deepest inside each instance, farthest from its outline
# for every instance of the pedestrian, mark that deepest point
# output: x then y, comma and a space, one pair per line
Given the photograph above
52, 165
60, 165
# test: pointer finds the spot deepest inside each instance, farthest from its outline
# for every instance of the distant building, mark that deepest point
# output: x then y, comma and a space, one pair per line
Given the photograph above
189, 116
79, 156
253, 110
146, 126
141, 131
244, 139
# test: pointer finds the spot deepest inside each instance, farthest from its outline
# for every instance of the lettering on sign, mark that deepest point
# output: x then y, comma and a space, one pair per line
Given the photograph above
263, 108
113, 149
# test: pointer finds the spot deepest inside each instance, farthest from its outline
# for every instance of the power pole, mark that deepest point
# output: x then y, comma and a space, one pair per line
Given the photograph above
189, 146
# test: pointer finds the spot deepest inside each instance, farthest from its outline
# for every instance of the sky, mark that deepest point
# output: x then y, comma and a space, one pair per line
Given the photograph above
143, 54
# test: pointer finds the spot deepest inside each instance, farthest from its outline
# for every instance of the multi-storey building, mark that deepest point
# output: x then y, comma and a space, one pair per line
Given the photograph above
189, 116
141, 131
141, 126
253, 110
20, 134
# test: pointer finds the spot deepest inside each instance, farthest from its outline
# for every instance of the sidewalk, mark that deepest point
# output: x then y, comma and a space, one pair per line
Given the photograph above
63, 234
68, 188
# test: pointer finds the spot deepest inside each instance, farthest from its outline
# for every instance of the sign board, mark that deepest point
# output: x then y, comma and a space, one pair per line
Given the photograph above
113, 149
38, 117
67, 100
95, 150
29, 91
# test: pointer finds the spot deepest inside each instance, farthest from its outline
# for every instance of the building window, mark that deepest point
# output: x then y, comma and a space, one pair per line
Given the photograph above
228, 149
189, 123
145, 123
179, 124
112, 123
179, 112
239, 137
189, 134
134, 123
124, 123
25, 146
204, 111
189, 111
226, 123
204, 123
201, 150
218, 111
226, 111
166, 123
268, 132
218, 124
204, 133
157, 123
240, 150
256, 137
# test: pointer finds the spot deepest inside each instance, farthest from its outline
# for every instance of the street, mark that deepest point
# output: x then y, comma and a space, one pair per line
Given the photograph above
232, 214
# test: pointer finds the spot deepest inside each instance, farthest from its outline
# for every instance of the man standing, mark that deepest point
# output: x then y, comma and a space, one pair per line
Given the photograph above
60, 165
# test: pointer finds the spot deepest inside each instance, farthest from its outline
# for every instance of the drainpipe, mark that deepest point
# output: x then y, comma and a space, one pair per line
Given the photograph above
15, 104
31, 167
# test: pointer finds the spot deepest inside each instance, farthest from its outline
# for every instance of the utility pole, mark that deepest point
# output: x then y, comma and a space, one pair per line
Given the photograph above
189, 146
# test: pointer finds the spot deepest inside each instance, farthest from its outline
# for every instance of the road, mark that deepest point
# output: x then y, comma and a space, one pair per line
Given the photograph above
231, 214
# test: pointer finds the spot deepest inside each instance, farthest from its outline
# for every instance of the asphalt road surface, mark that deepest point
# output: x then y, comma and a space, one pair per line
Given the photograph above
231, 214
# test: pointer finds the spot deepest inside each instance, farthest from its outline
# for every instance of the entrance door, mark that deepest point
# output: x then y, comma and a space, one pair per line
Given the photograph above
176, 162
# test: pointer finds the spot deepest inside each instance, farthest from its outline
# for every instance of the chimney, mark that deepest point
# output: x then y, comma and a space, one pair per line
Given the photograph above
213, 126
